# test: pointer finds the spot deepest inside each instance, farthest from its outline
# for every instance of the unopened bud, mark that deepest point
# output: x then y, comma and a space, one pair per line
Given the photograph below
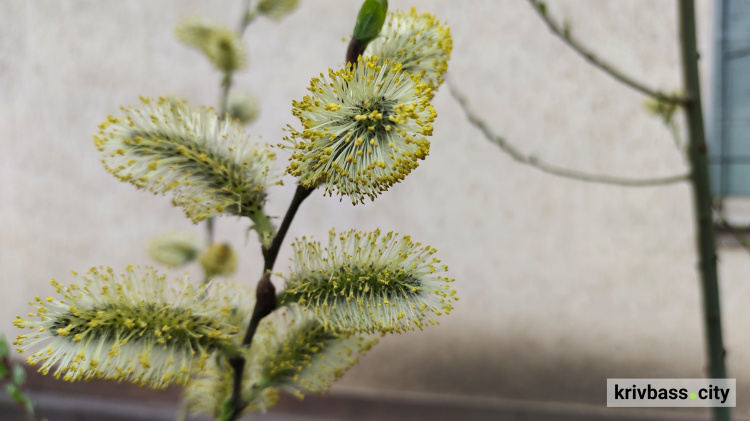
174, 248
219, 259
243, 106
277, 9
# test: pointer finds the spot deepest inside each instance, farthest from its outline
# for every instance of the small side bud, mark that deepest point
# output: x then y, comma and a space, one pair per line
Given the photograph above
174, 248
219, 259
243, 106
277, 9
265, 297
222, 46
661, 108
542, 7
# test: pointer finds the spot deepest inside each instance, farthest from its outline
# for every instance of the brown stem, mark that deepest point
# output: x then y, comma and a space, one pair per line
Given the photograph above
355, 49
265, 299
265, 303
272, 252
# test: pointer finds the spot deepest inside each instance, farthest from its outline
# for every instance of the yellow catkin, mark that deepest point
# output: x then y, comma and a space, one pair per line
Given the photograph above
388, 122
367, 282
135, 327
418, 42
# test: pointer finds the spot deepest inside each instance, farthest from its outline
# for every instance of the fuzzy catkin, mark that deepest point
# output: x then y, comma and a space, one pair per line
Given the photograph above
207, 164
364, 129
419, 42
368, 282
134, 327
291, 351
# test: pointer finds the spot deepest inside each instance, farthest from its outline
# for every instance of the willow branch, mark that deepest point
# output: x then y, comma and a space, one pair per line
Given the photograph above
567, 38
265, 298
272, 252
227, 79
532, 161
247, 18
354, 50
702, 201
226, 86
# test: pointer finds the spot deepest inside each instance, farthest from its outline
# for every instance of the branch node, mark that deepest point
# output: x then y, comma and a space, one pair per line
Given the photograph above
265, 296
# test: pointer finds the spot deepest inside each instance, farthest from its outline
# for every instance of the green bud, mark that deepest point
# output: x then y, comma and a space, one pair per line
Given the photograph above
370, 20
243, 106
219, 259
277, 9
174, 248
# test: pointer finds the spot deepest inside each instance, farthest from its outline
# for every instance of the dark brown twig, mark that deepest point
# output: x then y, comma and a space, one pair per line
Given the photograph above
265, 299
354, 50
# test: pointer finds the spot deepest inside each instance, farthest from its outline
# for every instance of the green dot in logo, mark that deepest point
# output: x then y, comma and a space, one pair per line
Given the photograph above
692, 396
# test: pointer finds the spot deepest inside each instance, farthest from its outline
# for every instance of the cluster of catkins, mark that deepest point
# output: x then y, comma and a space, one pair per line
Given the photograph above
364, 127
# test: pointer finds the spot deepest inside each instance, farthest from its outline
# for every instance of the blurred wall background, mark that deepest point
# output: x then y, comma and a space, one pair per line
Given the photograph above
562, 283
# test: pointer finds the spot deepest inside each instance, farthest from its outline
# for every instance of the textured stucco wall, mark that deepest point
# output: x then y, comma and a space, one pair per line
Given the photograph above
562, 283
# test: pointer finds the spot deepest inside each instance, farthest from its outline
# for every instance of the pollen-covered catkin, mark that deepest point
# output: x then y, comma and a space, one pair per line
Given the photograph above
364, 129
292, 351
367, 282
207, 164
419, 42
135, 327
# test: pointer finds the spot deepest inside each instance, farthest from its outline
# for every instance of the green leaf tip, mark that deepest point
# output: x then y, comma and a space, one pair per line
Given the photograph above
14, 392
4, 350
227, 409
370, 20
542, 8
19, 375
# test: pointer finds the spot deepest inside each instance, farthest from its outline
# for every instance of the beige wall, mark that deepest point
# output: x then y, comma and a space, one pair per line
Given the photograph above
562, 283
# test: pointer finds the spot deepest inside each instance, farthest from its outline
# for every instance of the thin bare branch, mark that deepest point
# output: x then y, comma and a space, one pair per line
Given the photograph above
564, 34
532, 161
226, 86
